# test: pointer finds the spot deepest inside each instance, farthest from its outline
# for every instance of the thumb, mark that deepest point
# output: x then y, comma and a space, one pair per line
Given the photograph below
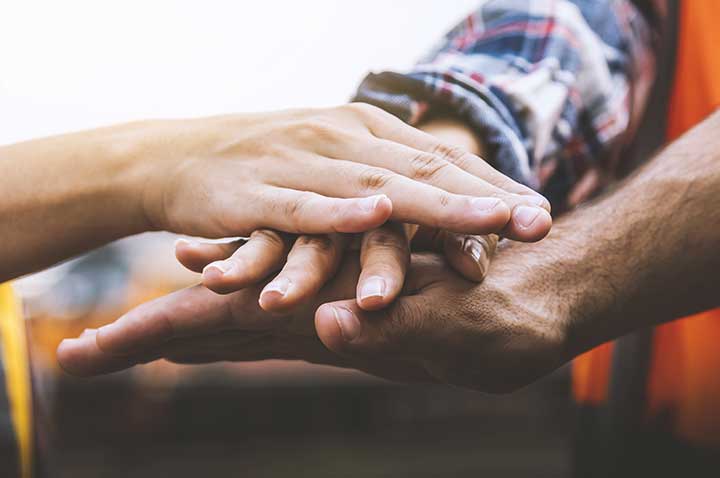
395, 332
411, 327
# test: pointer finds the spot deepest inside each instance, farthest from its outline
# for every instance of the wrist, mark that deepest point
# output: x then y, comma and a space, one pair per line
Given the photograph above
561, 297
131, 169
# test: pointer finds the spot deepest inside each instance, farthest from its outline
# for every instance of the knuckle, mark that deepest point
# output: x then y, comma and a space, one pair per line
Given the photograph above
253, 270
313, 130
306, 271
444, 199
269, 237
464, 161
294, 211
321, 243
374, 178
383, 239
366, 110
426, 167
452, 154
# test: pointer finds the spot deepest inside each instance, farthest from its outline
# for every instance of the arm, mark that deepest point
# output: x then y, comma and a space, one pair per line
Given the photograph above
643, 254
294, 171
648, 253
68, 194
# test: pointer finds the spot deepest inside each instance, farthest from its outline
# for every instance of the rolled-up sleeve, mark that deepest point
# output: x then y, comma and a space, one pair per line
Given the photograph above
548, 85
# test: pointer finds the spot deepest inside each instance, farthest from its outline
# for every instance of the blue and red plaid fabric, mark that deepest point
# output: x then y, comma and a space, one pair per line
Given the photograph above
552, 87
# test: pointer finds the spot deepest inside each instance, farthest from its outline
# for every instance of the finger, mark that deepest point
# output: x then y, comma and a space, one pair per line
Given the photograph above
438, 170
394, 332
412, 201
195, 310
528, 224
470, 255
199, 311
82, 357
312, 261
394, 129
196, 255
402, 330
416, 156
303, 212
441, 168
262, 254
384, 257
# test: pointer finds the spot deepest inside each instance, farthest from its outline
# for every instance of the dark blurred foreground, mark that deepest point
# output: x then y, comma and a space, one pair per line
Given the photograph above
268, 419
302, 424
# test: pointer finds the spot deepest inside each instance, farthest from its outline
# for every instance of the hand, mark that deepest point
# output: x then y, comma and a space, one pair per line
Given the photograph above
344, 169
606, 269
495, 336
308, 262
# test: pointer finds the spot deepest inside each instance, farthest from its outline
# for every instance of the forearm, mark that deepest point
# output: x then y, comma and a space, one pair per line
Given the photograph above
67, 194
644, 254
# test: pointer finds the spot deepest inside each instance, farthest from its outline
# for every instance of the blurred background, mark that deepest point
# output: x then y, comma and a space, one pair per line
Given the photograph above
81, 64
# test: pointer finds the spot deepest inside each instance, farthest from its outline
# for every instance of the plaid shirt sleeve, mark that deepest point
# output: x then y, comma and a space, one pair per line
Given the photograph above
548, 85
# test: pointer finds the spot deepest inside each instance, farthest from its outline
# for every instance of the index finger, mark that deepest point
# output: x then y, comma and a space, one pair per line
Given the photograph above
192, 311
83, 358
394, 129
384, 259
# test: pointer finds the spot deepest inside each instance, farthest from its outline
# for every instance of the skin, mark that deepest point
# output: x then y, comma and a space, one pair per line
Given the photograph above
304, 264
643, 254
337, 170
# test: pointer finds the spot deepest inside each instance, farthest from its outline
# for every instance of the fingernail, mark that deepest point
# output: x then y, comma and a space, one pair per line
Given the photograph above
373, 287
485, 204
525, 215
474, 248
218, 269
348, 323
279, 286
369, 204
184, 242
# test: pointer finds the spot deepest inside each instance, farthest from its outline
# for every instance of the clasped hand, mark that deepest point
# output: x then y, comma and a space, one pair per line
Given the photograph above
410, 320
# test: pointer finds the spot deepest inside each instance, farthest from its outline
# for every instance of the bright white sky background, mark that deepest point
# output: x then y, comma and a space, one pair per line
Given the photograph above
68, 65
